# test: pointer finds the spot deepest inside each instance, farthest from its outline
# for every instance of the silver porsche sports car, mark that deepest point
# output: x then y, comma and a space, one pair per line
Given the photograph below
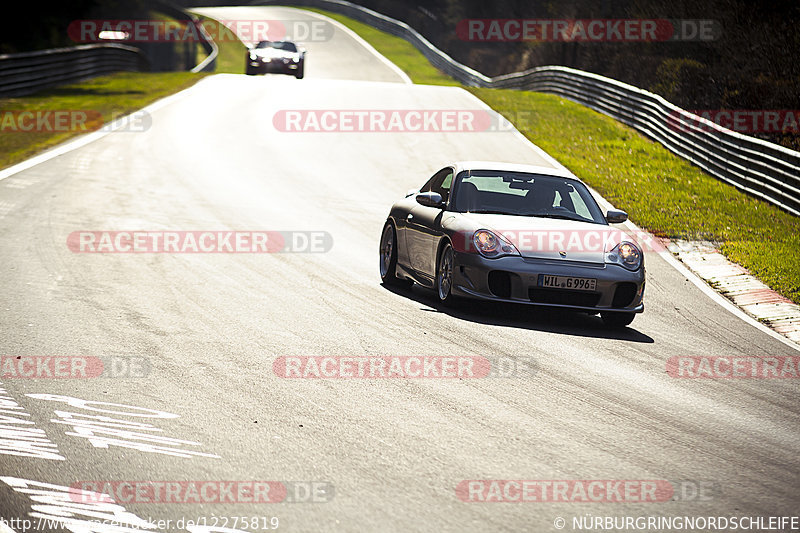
282, 57
514, 233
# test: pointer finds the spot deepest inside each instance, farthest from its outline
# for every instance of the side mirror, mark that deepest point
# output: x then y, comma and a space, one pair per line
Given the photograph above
430, 199
615, 216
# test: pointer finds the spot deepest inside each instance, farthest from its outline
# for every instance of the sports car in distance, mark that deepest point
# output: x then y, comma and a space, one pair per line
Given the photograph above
283, 57
514, 233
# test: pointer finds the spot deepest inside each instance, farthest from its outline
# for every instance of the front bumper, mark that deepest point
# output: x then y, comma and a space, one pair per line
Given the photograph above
278, 67
515, 279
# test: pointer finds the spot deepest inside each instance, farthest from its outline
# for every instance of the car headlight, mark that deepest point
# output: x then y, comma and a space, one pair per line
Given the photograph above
492, 245
626, 254
252, 56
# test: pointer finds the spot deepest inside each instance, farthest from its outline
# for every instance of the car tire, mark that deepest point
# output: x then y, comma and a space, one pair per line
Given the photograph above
301, 70
445, 268
249, 71
388, 258
617, 319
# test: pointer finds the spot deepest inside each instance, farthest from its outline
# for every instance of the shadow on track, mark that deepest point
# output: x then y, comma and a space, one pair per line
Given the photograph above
552, 320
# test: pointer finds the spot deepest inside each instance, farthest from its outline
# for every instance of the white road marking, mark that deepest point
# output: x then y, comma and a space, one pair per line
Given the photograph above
19, 437
140, 436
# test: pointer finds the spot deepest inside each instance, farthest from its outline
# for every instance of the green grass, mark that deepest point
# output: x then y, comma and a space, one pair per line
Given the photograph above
660, 191
111, 96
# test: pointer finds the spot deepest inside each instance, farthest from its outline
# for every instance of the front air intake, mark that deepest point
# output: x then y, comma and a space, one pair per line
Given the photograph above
624, 294
500, 283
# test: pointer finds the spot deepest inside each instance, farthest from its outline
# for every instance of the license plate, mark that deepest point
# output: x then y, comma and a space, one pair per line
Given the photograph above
567, 282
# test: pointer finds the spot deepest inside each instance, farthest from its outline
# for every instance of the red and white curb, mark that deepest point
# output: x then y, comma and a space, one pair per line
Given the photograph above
739, 286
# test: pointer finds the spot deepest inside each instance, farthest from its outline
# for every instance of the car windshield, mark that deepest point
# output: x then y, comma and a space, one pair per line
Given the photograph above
278, 45
523, 194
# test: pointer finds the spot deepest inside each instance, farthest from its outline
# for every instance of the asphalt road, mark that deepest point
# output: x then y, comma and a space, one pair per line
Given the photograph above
391, 451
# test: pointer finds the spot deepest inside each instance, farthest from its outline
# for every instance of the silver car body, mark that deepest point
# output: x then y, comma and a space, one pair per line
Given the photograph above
422, 233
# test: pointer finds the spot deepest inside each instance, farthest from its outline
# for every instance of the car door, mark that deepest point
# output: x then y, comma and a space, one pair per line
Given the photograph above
424, 228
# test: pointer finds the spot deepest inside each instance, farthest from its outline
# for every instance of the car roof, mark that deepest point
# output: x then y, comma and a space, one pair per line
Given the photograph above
514, 167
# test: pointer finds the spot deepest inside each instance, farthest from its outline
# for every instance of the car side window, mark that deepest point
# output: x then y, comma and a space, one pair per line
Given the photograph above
441, 182
431, 182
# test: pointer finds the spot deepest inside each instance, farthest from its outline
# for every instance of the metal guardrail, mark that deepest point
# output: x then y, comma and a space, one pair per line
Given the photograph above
209, 64
763, 169
28, 72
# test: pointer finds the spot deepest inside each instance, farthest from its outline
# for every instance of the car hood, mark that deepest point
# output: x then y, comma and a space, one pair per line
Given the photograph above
550, 238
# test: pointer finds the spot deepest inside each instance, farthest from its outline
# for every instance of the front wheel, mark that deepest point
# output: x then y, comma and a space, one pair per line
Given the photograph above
301, 70
617, 319
444, 275
388, 258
